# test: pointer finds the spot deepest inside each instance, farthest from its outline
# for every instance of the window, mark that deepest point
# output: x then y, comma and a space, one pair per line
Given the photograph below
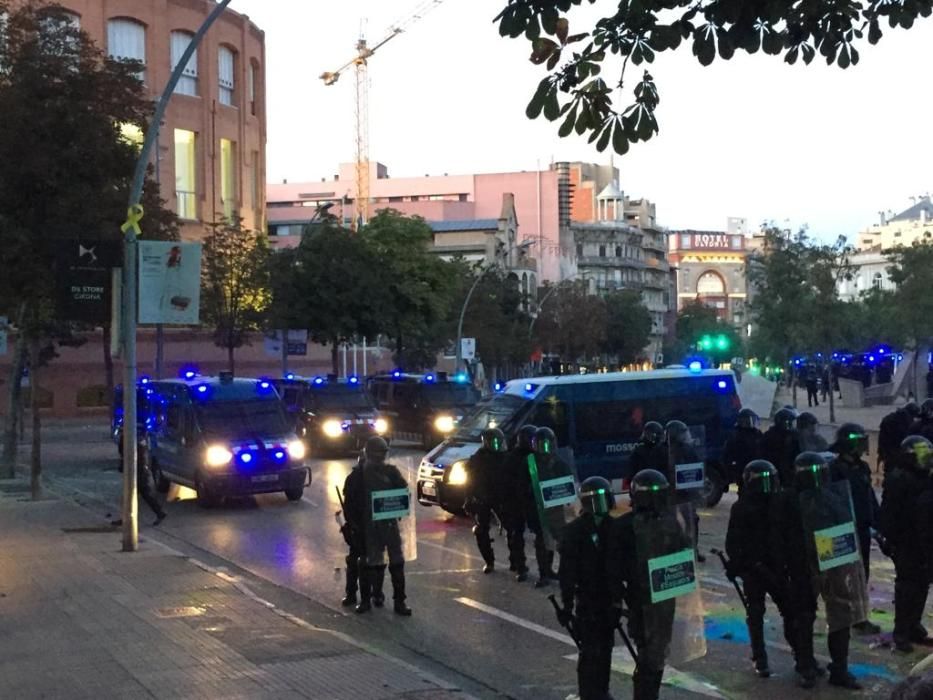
618, 251
228, 178
185, 173
252, 86
877, 280
579, 250
711, 283
552, 413
461, 198
256, 181
395, 199
188, 84
226, 61
126, 41
685, 240
602, 251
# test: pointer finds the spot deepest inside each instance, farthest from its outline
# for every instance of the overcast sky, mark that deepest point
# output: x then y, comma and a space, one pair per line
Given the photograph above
752, 137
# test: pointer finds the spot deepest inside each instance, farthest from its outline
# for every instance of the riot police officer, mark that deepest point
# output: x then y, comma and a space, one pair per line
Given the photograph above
650, 452
747, 539
801, 515
382, 537
779, 444
544, 465
893, 429
901, 524
519, 506
353, 536
584, 587
808, 439
923, 425
742, 447
485, 472
681, 450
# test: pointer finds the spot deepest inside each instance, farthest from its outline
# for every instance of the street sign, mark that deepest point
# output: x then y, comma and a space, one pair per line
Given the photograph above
83, 279
297, 343
169, 283
468, 348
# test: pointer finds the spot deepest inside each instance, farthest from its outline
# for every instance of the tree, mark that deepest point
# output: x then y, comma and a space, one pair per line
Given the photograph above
699, 331
234, 284
636, 31
628, 326
571, 322
912, 273
64, 171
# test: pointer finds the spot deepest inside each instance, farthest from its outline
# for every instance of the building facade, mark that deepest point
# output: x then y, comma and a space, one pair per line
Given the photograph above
210, 155
913, 224
711, 268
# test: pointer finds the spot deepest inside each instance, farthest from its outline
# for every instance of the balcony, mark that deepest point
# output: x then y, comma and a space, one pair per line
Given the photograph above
610, 261
187, 205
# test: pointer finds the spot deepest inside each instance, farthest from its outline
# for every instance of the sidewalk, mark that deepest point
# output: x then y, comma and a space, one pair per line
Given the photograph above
81, 619
868, 417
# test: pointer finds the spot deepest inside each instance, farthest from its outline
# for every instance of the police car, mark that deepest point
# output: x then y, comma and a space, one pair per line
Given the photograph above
423, 407
224, 437
332, 415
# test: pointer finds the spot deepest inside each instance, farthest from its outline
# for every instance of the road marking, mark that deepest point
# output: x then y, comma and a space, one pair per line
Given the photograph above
440, 571
448, 549
622, 660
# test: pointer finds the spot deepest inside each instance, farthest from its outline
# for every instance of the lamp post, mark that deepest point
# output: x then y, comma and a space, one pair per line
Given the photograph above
524, 245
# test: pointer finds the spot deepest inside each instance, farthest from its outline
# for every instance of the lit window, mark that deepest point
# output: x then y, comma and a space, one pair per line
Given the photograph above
185, 174
188, 83
228, 179
126, 41
226, 71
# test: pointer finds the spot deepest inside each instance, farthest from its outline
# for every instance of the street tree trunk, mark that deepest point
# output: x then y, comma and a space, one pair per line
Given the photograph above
35, 465
832, 393
14, 411
334, 348
231, 360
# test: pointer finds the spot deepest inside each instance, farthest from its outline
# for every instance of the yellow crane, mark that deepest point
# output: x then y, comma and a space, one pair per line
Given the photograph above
363, 52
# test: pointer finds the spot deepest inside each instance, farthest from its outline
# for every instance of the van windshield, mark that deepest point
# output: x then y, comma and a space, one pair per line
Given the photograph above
336, 398
499, 412
247, 418
450, 394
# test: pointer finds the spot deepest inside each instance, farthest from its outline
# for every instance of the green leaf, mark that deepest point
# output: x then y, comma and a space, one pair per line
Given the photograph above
533, 30
551, 106
573, 38
568, 124
874, 32
542, 49
561, 30
704, 45
552, 61
537, 101
619, 139
772, 43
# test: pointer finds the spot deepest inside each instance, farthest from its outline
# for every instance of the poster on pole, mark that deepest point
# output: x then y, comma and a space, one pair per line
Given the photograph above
169, 283
468, 348
83, 279
297, 343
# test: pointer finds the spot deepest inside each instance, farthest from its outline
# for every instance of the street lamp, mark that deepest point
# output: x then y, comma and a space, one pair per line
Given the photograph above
524, 245
554, 288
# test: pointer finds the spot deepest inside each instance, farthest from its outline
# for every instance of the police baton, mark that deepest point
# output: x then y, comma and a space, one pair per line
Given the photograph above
731, 576
627, 640
568, 625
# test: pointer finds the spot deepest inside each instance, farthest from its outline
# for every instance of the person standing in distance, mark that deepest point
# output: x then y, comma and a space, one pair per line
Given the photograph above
742, 447
780, 446
485, 472
650, 451
518, 503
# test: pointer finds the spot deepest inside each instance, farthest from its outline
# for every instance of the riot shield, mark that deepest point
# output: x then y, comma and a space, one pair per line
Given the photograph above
555, 488
671, 606
833, 552
687, 465
390, 536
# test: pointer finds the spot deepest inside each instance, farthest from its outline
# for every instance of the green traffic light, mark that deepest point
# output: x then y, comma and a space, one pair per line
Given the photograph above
722, 342
706, 342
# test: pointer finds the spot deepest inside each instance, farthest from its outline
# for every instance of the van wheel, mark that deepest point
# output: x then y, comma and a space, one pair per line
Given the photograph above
714, 487
206, 497
161, 483
295, 494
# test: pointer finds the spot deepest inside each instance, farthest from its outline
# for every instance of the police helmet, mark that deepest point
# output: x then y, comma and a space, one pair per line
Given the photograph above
524, 438
493, 439
545, 441
785, 418
649, 491
596, 496
806, 420
376, 449
912, 409
916, 450
760, 476
811, 471
926, 409
747, 419
652, 433
851, 439
677, 432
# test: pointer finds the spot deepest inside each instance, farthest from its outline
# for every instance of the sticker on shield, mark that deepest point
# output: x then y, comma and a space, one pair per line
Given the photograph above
391, 504
689, 476
672, 575
558, 492
836, 546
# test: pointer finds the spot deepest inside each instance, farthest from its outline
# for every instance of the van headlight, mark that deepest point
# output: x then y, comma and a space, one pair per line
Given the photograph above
457, 476
444, 424
217, 456
381, 426
332, 428
296, 450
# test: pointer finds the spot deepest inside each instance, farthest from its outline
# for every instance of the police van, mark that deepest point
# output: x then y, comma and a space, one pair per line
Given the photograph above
425, 408
332, 415
598, 417
224, 437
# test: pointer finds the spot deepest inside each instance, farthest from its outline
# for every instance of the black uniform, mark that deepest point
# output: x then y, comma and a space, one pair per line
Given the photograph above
144, 490
584, 586
893, 429
742, 447
922, 426
647, 456
904, 524
864, 501
485, 485
780, 447
519, 508
748, 540
353, 536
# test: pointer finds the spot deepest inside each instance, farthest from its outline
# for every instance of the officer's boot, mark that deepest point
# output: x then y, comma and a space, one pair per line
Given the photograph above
485, 547
838, 643
366, 583
756, 635
517, 554
903, 616
353, 577
805, 665
379, 577
647, 684
397, 574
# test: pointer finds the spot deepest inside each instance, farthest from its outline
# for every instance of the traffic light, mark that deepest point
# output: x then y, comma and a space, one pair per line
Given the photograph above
708, 343
722, 342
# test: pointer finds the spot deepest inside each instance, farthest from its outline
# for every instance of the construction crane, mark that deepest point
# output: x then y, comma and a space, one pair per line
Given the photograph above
363, 52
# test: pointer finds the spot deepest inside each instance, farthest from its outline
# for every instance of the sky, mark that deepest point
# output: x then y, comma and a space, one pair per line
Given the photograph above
751, 137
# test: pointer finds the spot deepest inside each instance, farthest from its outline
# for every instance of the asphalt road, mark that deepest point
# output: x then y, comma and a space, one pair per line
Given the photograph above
486, 633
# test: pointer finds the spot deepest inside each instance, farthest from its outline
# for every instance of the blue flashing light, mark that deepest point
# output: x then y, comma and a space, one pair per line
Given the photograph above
289, 376
721, 384
354, 380
397, 374
279, 455
819, 354
188, 372
202, 389
429, 378
835, 355
144, 380
529, 388
264, 385
797, 361
318, 381
500, 386
871, 358
696, 366
461, 378
900, 357
246, 457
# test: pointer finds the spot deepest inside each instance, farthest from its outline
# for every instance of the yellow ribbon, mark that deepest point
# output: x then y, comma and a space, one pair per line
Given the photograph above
133, 216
